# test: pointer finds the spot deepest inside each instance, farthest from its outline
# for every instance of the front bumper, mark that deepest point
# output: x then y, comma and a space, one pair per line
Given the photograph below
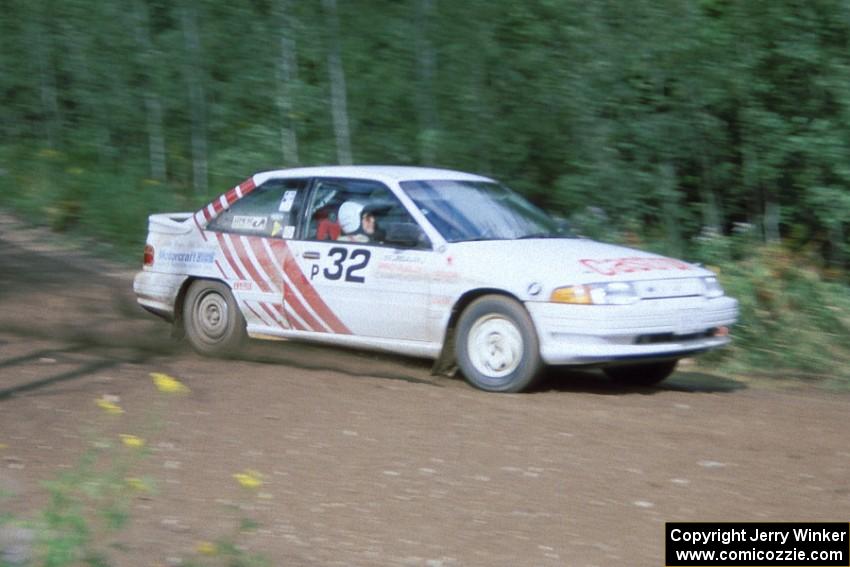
648, 329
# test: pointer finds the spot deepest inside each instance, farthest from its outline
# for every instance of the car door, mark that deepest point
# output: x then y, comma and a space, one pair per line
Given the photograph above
253, 254
375, 285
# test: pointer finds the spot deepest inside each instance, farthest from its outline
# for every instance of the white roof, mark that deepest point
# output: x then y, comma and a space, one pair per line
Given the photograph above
384, 173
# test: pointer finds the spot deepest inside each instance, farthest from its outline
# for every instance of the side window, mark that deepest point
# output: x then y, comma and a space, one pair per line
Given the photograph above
272, 209
353, 210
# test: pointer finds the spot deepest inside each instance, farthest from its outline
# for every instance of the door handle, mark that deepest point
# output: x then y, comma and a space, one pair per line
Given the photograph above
312, 255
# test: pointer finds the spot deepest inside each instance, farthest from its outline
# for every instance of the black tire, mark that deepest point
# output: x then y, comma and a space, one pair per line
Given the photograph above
213, 322
507, 357
642, 374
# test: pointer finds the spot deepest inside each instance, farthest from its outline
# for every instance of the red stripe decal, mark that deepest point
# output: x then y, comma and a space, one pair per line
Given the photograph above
231, 196
257, 315
302, 311
272, 314
282, 312
304, 286
249, 265
228, 257
294, 323
220, 269
201, 230
207, 214
267, 263
247, 186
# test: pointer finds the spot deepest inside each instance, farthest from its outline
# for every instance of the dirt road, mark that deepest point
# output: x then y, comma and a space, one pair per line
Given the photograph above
370, 460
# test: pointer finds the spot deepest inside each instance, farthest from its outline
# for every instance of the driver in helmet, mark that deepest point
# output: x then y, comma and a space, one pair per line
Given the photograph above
358, 222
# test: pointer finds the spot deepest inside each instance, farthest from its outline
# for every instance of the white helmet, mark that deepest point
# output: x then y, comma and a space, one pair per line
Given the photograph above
349, 216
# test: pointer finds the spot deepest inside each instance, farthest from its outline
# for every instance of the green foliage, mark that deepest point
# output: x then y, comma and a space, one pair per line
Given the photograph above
793, 323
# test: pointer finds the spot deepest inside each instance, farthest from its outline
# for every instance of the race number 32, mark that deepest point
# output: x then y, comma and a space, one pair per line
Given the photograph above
347, 265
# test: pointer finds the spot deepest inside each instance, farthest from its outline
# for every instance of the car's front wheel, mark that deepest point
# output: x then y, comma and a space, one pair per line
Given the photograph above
496, 345
644, 374
212, 320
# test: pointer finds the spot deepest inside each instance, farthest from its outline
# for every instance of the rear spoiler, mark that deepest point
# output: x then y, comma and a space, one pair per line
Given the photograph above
170, 223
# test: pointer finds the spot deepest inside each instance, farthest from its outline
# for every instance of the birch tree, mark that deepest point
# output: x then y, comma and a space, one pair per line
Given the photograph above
339, 103
147, 57
287, 75
192, 70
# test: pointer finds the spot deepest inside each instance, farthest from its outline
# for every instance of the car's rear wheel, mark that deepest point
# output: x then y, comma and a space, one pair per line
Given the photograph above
643, 374
496, 345
212, 320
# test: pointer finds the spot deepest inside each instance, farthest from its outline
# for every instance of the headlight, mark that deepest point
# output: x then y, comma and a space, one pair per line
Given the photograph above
614, 293
712, 287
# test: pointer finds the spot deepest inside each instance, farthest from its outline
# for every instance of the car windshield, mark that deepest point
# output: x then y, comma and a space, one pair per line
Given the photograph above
480, 210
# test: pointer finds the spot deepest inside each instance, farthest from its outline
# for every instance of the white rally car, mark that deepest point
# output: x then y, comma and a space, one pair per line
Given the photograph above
424, 262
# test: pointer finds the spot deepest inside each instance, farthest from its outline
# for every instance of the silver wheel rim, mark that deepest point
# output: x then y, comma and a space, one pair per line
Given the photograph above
495, 346
211, 316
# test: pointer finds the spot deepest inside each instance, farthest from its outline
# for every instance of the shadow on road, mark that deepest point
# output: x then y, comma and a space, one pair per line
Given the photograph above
595, 382
350, 362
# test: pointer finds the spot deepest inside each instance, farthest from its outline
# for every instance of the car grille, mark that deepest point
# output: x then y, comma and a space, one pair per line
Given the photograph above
658, 338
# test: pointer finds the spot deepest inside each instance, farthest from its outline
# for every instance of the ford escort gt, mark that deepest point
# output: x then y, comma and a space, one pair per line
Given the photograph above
425, 262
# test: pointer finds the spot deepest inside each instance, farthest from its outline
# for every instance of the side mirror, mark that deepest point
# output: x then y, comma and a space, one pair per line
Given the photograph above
404, 235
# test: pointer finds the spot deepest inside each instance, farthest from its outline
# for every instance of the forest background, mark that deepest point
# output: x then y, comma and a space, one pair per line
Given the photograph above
714, 130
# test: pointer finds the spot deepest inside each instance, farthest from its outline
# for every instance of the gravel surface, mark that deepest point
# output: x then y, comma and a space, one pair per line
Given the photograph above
371, 460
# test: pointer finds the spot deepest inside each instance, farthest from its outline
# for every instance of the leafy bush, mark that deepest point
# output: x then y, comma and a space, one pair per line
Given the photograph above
793, 323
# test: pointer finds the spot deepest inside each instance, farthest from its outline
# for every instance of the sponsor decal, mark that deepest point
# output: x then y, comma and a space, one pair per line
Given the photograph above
399, 270
614, 266
250, 223
287, 201
181, 257
289, 232
243, 285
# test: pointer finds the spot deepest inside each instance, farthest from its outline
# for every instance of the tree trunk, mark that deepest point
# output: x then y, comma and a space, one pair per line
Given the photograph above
426, 64
287, 74
197, 98
672, 207
339, 105
92, 104
153, 103
40, 40
772, 214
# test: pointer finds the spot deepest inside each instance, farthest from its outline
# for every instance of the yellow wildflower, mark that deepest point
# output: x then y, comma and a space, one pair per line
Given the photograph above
206, 548
132, 441
249, 479
136, 483
167, 384
109, 407
74, 170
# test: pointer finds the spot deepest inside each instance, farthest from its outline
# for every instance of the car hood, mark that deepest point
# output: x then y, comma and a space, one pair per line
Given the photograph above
563, 261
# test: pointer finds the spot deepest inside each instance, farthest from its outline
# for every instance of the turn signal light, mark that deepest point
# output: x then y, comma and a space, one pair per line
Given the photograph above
148, 258
576, 294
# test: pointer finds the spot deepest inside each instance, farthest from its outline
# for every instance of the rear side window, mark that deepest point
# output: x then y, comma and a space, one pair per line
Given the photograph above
272, 209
